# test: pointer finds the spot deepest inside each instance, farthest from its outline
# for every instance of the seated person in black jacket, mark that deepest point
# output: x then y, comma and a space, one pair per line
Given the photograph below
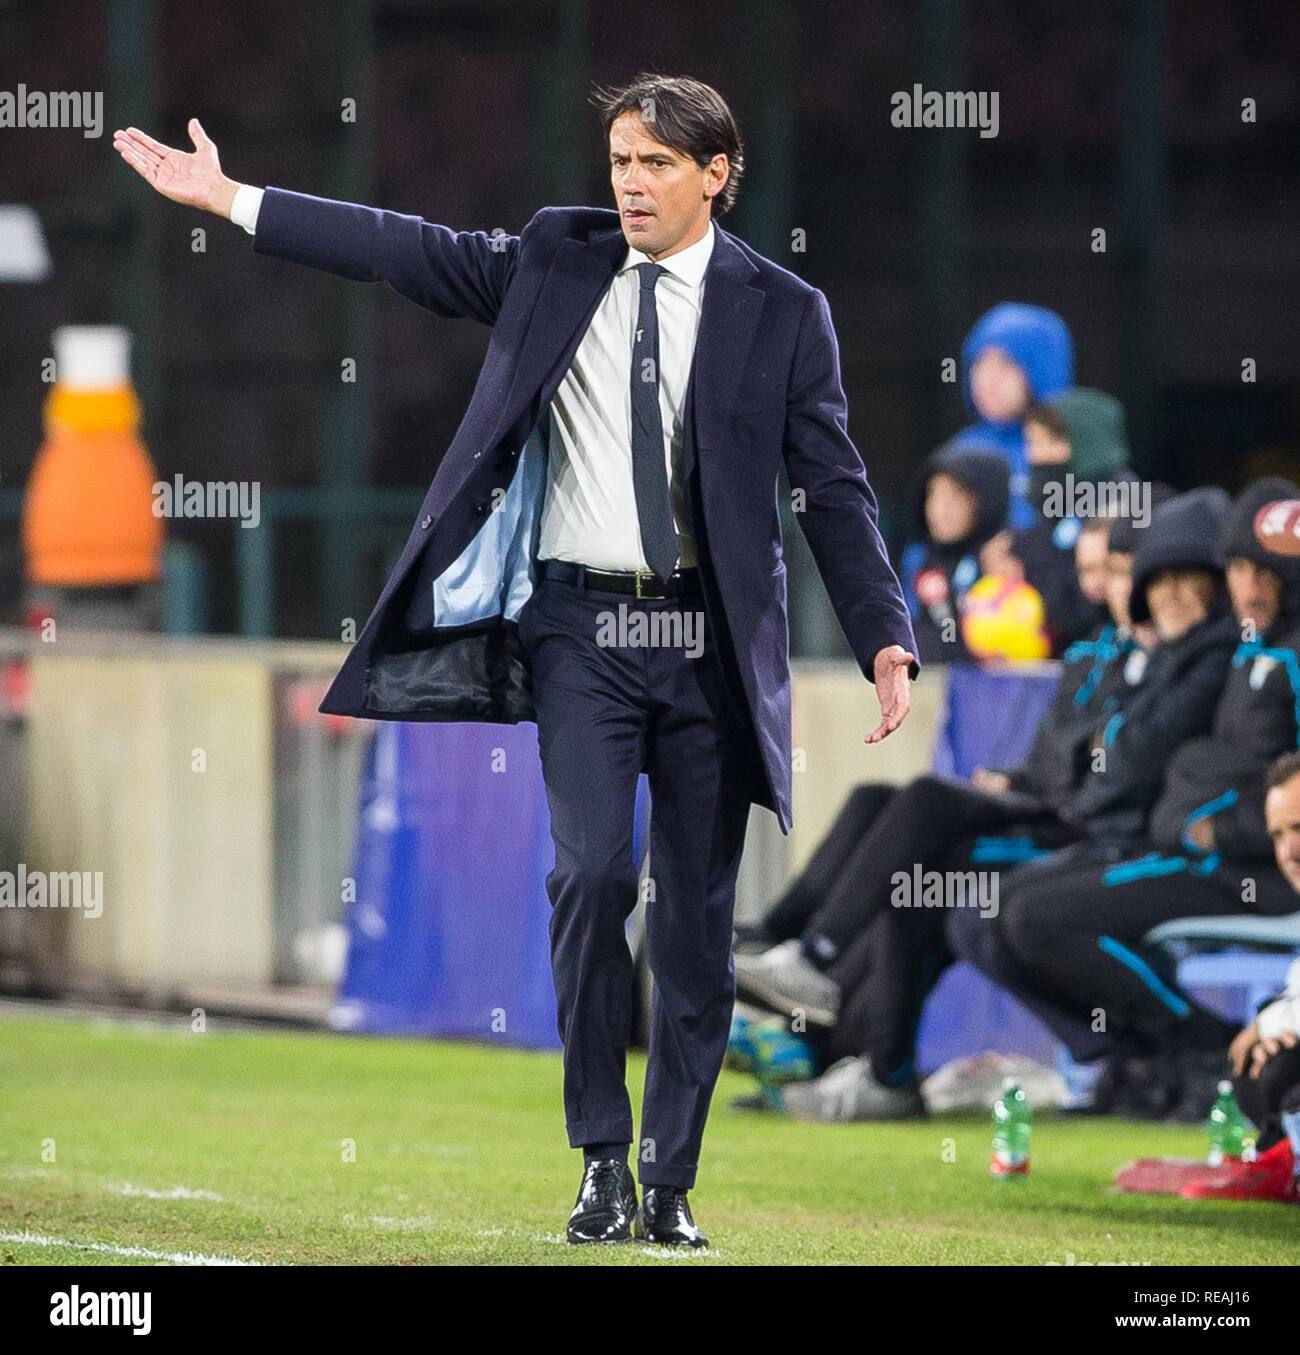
1076, 935
1095, 674
881, 953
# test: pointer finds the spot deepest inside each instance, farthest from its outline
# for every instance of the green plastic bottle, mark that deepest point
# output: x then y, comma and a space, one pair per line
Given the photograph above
1012, 1120
1230, 1131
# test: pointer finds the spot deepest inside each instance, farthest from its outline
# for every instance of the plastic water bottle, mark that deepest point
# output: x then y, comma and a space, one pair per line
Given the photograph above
1012, 1120
1229, 1128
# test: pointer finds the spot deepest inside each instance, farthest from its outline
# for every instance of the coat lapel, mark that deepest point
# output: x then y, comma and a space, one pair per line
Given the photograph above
577, 279
729, 319
575, 282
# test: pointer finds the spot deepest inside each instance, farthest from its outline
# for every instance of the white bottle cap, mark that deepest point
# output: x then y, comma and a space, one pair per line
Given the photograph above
1225, 1087
92, 357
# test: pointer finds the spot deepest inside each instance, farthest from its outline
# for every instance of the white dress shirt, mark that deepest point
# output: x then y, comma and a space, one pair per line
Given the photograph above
589, 512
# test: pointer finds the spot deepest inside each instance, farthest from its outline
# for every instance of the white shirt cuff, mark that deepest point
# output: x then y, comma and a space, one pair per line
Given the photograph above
245, 207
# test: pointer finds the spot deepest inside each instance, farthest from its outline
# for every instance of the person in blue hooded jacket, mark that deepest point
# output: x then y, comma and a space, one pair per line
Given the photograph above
1014, 356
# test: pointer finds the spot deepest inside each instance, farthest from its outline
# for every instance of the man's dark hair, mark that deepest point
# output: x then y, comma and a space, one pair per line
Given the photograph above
1282, 770
689, 117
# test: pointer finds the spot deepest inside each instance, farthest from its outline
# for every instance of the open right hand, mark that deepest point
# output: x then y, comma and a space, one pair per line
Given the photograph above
190, 177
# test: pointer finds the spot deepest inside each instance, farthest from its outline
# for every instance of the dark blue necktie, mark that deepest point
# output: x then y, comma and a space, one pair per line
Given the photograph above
649, 477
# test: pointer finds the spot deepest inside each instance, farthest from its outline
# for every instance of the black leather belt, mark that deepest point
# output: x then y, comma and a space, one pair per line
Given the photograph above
641, 583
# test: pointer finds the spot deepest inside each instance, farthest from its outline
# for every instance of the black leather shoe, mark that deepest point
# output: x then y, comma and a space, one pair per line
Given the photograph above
665, 1219
606, 1204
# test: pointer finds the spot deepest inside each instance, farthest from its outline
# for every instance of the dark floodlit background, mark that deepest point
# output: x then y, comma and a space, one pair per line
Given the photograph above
1122, 117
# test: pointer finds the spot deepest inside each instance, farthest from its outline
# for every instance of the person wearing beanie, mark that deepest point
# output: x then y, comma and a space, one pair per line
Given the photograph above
962, 501
1015, 355
1207, 848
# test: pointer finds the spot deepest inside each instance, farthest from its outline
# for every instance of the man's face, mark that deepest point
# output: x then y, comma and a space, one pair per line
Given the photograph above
1090, 563
1282, 815
1119, 586
661, 194
1179, 599
1256, 593
998, 386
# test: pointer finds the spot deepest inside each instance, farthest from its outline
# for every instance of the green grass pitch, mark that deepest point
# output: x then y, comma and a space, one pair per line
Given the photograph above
132, 1142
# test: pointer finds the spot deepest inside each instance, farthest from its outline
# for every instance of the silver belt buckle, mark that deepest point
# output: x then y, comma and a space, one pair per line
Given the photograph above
643, 574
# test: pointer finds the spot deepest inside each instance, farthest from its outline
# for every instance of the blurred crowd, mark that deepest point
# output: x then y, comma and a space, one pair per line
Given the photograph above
1163, 782
1007, 556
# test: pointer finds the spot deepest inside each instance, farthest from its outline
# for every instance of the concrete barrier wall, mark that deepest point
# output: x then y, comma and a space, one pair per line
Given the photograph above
166, 765
151, 762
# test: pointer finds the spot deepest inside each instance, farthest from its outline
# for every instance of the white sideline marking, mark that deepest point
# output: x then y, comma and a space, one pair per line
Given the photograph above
660, 1253
109, 1187
181, 1258
175, 1193
657, 1253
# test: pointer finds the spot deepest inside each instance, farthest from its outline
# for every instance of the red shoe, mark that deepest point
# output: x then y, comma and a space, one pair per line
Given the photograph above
1270, 1177
1162, 1175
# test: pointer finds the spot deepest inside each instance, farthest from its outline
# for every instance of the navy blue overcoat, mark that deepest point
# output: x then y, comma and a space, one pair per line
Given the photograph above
765, 387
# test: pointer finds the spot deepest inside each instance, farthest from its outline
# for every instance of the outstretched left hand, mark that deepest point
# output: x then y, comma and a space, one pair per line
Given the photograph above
894, 688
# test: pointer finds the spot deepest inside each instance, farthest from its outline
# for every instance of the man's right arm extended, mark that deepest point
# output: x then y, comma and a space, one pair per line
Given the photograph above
452, 273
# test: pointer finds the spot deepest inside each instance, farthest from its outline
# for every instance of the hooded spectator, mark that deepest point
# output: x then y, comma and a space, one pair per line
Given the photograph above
1014, 356
1183, 538
1256, 719
961, 503
1179, 555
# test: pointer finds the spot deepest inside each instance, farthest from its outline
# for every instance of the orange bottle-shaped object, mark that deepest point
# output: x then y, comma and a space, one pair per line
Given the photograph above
88, 518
